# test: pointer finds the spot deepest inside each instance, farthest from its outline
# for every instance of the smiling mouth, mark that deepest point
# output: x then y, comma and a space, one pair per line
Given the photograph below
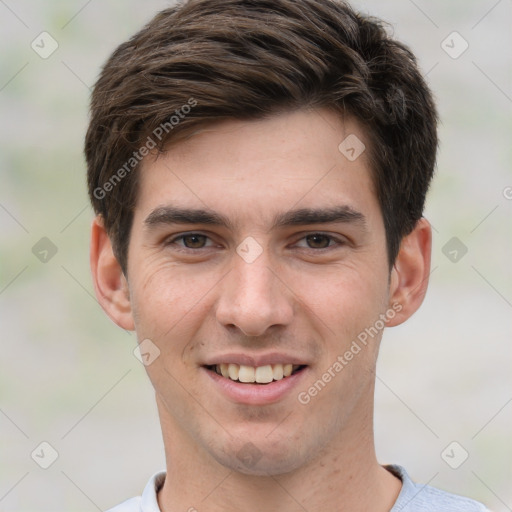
255, 374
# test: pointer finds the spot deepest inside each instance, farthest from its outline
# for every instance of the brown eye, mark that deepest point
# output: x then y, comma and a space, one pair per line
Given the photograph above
194, 241
318, 241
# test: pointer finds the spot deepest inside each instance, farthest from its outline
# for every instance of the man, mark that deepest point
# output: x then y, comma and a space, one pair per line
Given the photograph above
259, 171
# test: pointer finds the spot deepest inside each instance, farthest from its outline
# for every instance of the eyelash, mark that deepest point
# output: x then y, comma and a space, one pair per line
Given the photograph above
333, 241
181, 237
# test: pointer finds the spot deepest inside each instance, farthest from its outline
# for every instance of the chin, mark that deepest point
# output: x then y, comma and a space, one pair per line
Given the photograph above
260, 465
259, 457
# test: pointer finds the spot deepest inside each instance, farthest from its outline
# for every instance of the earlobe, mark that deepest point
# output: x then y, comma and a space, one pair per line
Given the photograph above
110, 283
410, 273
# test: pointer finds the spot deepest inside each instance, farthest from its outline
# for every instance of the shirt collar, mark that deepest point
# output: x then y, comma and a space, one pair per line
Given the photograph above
149, 501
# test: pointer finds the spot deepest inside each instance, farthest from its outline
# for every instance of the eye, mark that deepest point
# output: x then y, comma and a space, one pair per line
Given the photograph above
191, 241
318, 241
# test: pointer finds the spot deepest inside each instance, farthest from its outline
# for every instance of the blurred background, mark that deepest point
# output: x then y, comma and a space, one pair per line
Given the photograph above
68, 376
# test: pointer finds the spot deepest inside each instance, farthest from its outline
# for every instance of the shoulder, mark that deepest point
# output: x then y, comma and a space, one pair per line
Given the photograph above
131, 505
148, 502
424, 498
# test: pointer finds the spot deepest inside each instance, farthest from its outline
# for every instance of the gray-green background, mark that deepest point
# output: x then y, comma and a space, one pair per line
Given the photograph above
68, 375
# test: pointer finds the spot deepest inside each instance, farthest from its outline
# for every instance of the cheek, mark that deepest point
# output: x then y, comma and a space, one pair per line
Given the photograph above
163, 298
346, 299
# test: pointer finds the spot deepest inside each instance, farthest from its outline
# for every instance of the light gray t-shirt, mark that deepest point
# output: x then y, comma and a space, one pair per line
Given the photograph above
412, 498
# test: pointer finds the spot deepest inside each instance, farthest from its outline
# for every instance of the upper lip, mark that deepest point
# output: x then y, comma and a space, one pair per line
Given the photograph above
254, 359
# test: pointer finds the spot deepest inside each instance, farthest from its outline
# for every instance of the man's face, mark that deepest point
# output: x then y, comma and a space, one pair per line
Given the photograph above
259, 244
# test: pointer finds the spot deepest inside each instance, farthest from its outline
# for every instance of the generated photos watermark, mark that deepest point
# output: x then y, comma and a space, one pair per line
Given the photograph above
145, 149
369, 333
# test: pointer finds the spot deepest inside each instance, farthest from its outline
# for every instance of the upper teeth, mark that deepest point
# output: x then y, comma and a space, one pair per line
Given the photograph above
259, 374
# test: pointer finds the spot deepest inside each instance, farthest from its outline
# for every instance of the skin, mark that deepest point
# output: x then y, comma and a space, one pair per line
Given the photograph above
309, 297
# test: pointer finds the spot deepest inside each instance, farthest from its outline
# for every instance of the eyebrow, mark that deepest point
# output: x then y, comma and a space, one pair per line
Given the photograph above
174, 215
303, 216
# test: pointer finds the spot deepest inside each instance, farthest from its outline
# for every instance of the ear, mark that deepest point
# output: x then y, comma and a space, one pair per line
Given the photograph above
410, 273
110, 284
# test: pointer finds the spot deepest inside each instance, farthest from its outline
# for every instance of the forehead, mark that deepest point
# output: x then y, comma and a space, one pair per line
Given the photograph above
245, 169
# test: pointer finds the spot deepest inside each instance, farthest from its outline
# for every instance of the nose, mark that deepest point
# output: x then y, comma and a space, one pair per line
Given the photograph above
253, 298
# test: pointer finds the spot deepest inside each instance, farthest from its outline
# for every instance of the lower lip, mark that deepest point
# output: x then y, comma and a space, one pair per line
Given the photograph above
256, 394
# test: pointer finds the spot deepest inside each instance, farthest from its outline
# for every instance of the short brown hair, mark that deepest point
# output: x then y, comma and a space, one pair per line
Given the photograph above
203, 61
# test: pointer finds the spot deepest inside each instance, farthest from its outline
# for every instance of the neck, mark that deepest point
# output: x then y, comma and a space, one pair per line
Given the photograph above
344, 477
